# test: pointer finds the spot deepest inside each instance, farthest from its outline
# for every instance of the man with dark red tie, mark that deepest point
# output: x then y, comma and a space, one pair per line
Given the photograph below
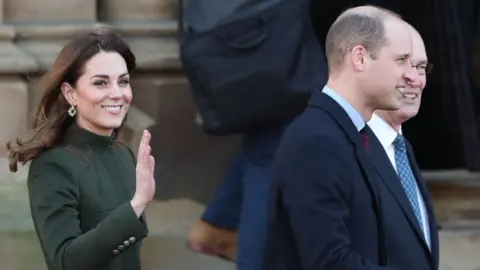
329, 208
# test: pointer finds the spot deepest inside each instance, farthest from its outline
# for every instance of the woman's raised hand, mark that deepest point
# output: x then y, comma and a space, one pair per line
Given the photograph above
145, 188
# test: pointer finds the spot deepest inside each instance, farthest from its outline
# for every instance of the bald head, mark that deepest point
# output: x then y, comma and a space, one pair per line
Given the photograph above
419, 52
416, 35
364, 26
369, 10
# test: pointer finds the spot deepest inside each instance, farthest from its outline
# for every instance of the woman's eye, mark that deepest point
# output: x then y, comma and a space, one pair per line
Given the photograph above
100, 83
125, 82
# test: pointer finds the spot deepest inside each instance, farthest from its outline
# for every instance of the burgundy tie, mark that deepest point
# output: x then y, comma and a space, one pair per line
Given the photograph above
364, 136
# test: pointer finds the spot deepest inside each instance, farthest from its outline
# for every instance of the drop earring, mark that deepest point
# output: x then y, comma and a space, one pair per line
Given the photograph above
72, 111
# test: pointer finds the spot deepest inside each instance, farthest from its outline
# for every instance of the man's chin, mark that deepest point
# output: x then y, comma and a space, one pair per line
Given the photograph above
406, 114
392, 106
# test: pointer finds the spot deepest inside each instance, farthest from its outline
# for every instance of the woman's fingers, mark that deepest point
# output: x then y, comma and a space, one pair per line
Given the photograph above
152, 162
151, 165
141, 148
148, 150
144, 149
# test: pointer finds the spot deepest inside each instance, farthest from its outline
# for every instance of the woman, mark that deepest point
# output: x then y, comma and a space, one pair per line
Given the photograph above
87, 198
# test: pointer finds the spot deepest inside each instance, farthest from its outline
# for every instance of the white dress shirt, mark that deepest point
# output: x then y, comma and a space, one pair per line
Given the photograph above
386, 135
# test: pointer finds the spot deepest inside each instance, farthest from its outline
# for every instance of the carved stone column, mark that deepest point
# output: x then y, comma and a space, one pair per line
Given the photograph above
49, 11
13, 90
14, 103
144, 11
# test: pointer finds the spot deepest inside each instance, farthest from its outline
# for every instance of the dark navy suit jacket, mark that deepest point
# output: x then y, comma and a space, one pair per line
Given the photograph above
329, 208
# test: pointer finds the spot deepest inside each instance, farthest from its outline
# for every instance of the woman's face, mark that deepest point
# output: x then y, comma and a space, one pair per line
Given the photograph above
102, 95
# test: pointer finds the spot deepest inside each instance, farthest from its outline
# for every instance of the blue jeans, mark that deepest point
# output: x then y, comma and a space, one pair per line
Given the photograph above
241, 201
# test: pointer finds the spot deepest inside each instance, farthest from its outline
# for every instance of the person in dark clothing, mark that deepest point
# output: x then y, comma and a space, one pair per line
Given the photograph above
87, 197
327, 207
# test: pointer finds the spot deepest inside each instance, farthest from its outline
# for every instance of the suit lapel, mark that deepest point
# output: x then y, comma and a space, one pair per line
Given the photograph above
428, 203
331, 107
387, 173
321, 100
369, 168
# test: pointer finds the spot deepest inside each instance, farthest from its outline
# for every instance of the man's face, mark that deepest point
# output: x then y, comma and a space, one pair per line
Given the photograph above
414, 86
385, 77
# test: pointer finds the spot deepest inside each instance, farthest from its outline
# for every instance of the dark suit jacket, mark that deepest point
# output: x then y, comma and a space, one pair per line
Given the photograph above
324, 197
80, 195
400, 218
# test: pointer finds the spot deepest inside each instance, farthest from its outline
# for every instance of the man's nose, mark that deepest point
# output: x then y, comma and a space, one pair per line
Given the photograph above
411, 75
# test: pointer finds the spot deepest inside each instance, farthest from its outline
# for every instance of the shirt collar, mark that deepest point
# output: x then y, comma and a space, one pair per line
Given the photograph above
384, 132
352, 113
77, 136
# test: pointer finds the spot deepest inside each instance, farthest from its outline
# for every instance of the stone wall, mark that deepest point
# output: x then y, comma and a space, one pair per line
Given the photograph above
189, 163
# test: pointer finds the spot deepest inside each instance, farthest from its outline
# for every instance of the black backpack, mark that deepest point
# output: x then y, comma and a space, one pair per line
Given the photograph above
255, 67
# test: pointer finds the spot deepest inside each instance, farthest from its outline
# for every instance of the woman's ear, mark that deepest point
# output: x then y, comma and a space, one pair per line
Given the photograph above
68, 93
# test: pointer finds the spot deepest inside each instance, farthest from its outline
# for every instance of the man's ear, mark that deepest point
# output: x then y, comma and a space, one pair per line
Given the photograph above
359, 57
68, 93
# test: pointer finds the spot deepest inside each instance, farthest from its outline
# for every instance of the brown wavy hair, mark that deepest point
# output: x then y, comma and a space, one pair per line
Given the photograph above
51, 119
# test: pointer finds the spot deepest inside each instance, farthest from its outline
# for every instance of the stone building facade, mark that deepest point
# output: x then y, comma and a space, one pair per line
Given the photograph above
189, 163
32, 32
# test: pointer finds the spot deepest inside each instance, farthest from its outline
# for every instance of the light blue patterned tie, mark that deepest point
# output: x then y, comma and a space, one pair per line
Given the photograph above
406, 176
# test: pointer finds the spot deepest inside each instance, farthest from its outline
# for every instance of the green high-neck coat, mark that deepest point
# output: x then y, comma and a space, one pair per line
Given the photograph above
80, 194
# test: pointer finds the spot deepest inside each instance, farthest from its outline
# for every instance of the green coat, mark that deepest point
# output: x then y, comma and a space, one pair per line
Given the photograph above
80, 196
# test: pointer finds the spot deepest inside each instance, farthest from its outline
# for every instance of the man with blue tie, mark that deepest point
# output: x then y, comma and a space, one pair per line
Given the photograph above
394, 161
329, 209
